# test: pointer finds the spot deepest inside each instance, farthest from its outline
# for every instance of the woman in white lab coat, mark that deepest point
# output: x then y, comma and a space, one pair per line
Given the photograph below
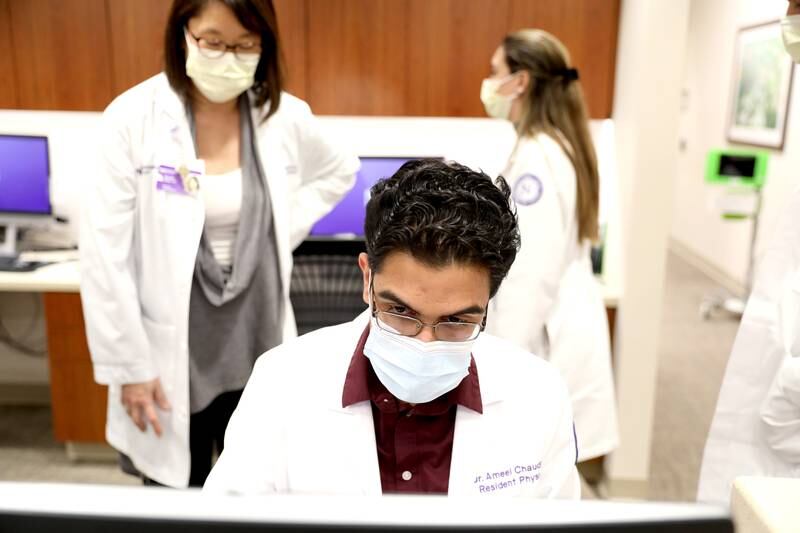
550, 303
210, 176
756, 426
754, 431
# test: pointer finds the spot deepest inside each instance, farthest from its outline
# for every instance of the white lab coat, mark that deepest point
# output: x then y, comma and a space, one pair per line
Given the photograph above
780, 413
550, 303
139, 244
742, 435
290, 433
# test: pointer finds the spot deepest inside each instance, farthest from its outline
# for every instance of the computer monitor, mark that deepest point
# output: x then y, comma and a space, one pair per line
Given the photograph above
745, 167
347, 218
24, 186
45, 508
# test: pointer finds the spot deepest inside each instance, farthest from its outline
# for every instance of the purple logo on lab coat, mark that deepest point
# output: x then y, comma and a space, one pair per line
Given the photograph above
527, 190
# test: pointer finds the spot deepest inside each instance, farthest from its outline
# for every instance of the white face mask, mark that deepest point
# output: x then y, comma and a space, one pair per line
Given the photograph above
790, 26
415, 371
221, 79
496, 105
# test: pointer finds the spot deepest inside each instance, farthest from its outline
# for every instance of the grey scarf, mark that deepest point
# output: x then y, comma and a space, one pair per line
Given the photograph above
255, 224
236, 314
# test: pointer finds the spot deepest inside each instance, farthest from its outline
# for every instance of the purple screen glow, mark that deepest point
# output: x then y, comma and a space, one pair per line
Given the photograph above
348, 215
24, 175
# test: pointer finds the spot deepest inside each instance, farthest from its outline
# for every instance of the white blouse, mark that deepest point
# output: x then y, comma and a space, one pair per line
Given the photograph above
222, 195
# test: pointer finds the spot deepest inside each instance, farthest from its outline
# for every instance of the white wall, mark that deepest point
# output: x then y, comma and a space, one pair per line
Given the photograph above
697, 228
650, 66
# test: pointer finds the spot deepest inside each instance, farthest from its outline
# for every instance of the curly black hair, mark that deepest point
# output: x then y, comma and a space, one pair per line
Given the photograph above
443, 213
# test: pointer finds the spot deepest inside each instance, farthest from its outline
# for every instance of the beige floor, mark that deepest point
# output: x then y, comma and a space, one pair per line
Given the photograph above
692, 361
28, 452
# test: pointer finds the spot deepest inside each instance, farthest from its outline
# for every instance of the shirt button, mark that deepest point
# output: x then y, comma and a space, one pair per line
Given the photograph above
407, 475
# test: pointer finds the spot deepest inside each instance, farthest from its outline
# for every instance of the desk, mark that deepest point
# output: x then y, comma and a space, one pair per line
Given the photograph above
766, 505
78, 403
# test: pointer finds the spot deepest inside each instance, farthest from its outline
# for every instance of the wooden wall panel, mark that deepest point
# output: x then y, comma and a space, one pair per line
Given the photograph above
292, 26
61, 49
428, 57
357, 57
137, 40
450, 46
8, 75
588, 28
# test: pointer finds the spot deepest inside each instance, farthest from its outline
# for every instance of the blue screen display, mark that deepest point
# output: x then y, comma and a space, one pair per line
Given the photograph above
24, 175
348, 215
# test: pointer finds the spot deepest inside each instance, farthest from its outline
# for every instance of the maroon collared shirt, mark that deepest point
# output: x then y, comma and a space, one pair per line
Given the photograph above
415, 442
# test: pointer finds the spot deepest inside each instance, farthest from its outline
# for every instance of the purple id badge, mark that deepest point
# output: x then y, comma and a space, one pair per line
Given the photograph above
180, 180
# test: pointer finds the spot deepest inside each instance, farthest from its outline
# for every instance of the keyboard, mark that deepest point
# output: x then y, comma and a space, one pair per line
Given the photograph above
14, 264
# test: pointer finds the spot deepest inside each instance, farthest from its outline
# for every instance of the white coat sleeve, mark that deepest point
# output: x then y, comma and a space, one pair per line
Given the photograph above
327, 173
780, 412
527, 295
562, 453
115, 333
254, 456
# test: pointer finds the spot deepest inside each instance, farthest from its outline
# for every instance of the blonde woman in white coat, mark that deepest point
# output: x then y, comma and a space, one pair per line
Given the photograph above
211, 176
550, 303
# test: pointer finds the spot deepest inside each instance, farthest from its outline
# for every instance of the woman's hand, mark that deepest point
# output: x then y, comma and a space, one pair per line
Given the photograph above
140, 401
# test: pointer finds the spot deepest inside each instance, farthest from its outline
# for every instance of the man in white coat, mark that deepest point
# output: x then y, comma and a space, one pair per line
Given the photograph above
411, 396
756, 426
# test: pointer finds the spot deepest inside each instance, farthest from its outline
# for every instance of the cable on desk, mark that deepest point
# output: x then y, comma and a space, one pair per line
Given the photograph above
20, 345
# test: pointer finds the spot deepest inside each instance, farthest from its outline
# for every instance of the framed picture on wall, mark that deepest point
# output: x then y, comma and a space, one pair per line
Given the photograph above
762, 86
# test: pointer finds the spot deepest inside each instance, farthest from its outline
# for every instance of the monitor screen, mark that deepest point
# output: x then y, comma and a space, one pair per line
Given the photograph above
347, 218
737, 166
24, 175
45, 508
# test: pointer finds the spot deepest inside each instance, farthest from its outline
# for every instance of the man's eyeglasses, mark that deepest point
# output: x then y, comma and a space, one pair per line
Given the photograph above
410, 327
213, 48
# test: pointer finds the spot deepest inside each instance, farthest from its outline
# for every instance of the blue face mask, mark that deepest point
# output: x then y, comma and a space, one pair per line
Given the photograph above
415, 371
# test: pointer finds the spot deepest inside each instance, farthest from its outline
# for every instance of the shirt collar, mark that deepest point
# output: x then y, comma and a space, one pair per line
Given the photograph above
361, 385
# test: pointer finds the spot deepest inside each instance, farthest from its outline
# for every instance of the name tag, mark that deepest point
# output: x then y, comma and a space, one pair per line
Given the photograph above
179, 179
510, 477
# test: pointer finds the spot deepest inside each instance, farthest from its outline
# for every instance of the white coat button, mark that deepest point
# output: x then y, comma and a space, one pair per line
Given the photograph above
407, 475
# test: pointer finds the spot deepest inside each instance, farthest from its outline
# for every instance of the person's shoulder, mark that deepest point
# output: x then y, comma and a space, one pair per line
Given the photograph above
540, 148
529, 160
322, 348
292, 104
291, 110
540, 166
503, 361
131, 100
136, 107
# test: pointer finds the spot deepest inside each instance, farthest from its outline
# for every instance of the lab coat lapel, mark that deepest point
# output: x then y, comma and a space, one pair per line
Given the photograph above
273, 162
185, 214
356, 440
476, 448
358, 449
